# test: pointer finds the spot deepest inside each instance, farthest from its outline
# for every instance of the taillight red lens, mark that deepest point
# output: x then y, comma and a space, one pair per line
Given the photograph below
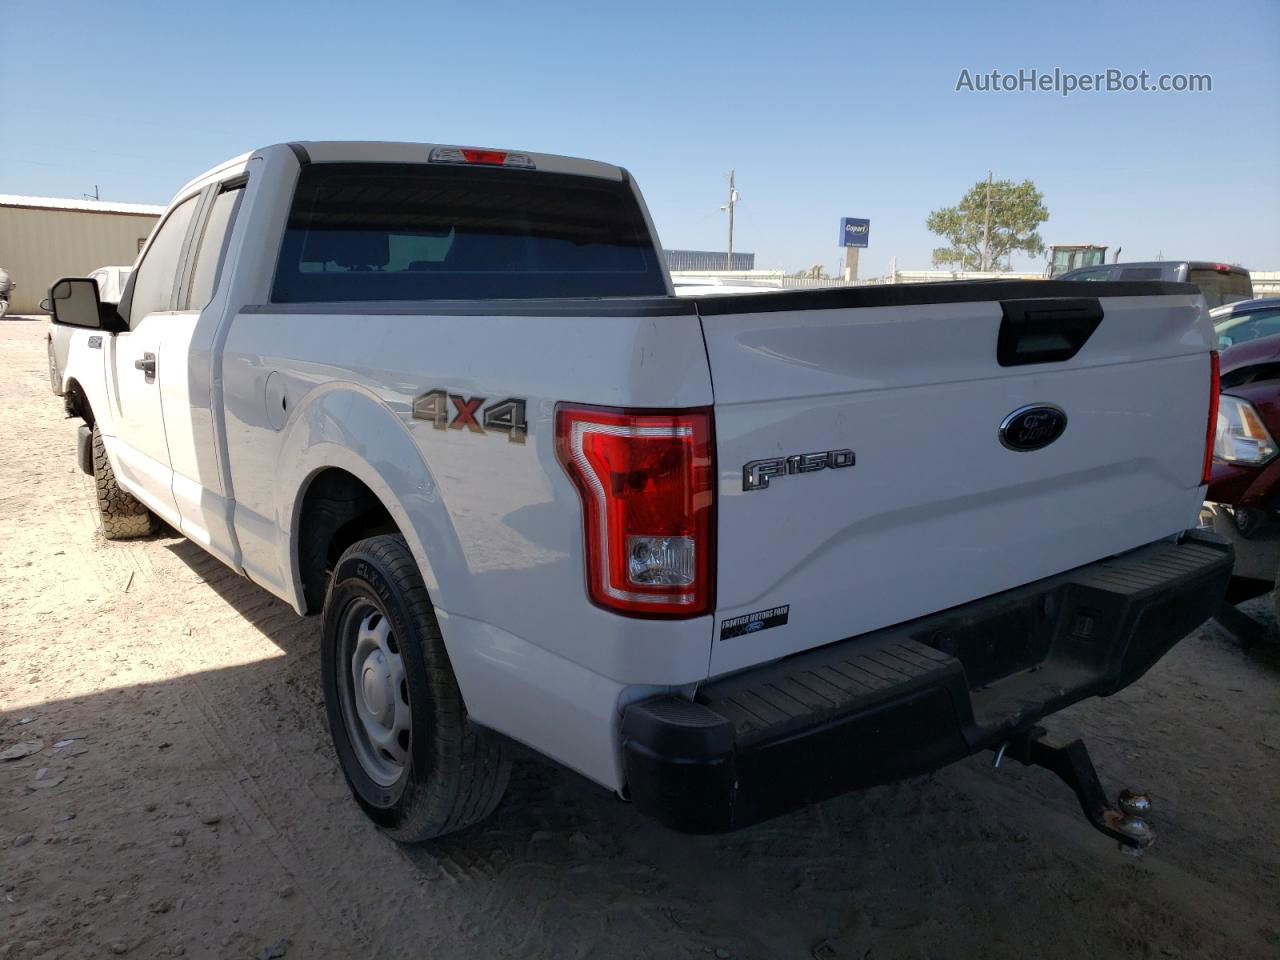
647, 481
1215, 387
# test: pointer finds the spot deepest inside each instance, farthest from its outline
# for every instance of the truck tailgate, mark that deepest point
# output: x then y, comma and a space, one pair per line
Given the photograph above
935, 510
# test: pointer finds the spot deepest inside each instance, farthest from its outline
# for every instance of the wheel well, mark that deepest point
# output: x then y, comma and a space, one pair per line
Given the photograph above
76, 403
337, 510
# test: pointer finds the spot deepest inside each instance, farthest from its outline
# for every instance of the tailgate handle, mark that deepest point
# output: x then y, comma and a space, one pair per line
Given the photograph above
1045, 331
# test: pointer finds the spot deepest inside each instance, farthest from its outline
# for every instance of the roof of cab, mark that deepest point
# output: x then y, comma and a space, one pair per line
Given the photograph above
374, 151
1244, 306
387, 151
215, 170
1191, 264
1163, 265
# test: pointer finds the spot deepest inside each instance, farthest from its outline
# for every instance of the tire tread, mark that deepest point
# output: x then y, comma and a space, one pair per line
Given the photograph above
121, 515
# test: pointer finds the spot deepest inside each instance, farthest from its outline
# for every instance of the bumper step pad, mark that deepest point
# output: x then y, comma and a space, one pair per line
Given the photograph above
804, 694
912, 698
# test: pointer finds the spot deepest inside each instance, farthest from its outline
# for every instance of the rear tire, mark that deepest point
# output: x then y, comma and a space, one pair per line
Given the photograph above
121, 516
4, 307
415, 764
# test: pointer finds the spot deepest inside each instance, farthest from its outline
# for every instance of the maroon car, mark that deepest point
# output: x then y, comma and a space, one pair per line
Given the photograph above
1243, 499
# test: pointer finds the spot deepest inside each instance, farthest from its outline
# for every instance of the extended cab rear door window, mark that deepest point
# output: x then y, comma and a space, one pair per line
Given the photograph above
213, 246
370, 232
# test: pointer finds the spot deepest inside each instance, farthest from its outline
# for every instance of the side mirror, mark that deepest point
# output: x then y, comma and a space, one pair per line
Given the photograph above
1224, 341
46, 306
74, 301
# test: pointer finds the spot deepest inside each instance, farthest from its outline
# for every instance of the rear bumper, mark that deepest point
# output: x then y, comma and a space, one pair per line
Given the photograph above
912, 698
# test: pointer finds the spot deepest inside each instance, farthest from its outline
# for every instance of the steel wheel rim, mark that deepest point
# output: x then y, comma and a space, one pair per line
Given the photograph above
374, 693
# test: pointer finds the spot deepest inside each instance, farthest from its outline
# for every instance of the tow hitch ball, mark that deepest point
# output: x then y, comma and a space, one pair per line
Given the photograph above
1127, 823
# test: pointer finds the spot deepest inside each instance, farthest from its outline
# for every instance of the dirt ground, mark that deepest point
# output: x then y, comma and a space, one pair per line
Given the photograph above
184, 799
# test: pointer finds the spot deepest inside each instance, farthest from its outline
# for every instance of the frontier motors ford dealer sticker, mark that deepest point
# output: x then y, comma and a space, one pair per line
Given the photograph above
754, 622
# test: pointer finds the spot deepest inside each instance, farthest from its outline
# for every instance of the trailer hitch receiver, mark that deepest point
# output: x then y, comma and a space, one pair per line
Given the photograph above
1126, 823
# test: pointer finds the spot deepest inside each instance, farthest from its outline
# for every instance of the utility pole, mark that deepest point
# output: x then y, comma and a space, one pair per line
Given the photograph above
94, 195
986, 229
733, 200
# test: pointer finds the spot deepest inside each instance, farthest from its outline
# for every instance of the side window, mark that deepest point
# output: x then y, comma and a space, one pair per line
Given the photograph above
1141, 273
1263, 323
213, 244
155, 276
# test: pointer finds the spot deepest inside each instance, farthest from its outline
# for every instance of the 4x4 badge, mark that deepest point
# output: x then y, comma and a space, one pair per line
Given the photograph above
506, 415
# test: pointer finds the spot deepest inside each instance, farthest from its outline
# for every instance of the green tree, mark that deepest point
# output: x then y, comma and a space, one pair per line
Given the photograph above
1016, 210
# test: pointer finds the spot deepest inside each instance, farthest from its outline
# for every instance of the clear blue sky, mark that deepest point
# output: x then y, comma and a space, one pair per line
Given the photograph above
825, 109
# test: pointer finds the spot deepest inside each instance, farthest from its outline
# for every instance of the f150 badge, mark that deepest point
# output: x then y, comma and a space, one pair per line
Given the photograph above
757, 473
507, 416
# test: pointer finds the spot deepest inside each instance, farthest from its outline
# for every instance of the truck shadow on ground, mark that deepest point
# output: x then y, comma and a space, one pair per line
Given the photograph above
967, 862
1252, 626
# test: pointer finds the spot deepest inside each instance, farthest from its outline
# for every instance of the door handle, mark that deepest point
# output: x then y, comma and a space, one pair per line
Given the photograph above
147, 365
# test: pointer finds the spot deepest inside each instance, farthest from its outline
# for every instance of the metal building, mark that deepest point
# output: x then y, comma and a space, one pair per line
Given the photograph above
44, 238
694, 260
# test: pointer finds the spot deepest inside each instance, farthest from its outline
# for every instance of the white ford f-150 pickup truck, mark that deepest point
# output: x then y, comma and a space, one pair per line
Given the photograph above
724, 556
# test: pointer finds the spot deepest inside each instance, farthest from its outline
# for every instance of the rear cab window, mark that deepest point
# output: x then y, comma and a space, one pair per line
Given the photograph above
379, 232
1221, 286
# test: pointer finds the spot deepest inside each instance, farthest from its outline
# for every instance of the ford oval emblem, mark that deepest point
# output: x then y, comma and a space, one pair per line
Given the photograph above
1033, 427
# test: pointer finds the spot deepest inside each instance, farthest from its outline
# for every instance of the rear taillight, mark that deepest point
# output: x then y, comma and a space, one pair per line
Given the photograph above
647, 482
1215, 387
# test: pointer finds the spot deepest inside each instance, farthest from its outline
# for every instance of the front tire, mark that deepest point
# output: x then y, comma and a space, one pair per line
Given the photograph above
120, 514
415, 764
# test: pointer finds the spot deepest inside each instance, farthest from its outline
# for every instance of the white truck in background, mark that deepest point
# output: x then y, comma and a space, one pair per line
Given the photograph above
721, 555
111, 282
6, 285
